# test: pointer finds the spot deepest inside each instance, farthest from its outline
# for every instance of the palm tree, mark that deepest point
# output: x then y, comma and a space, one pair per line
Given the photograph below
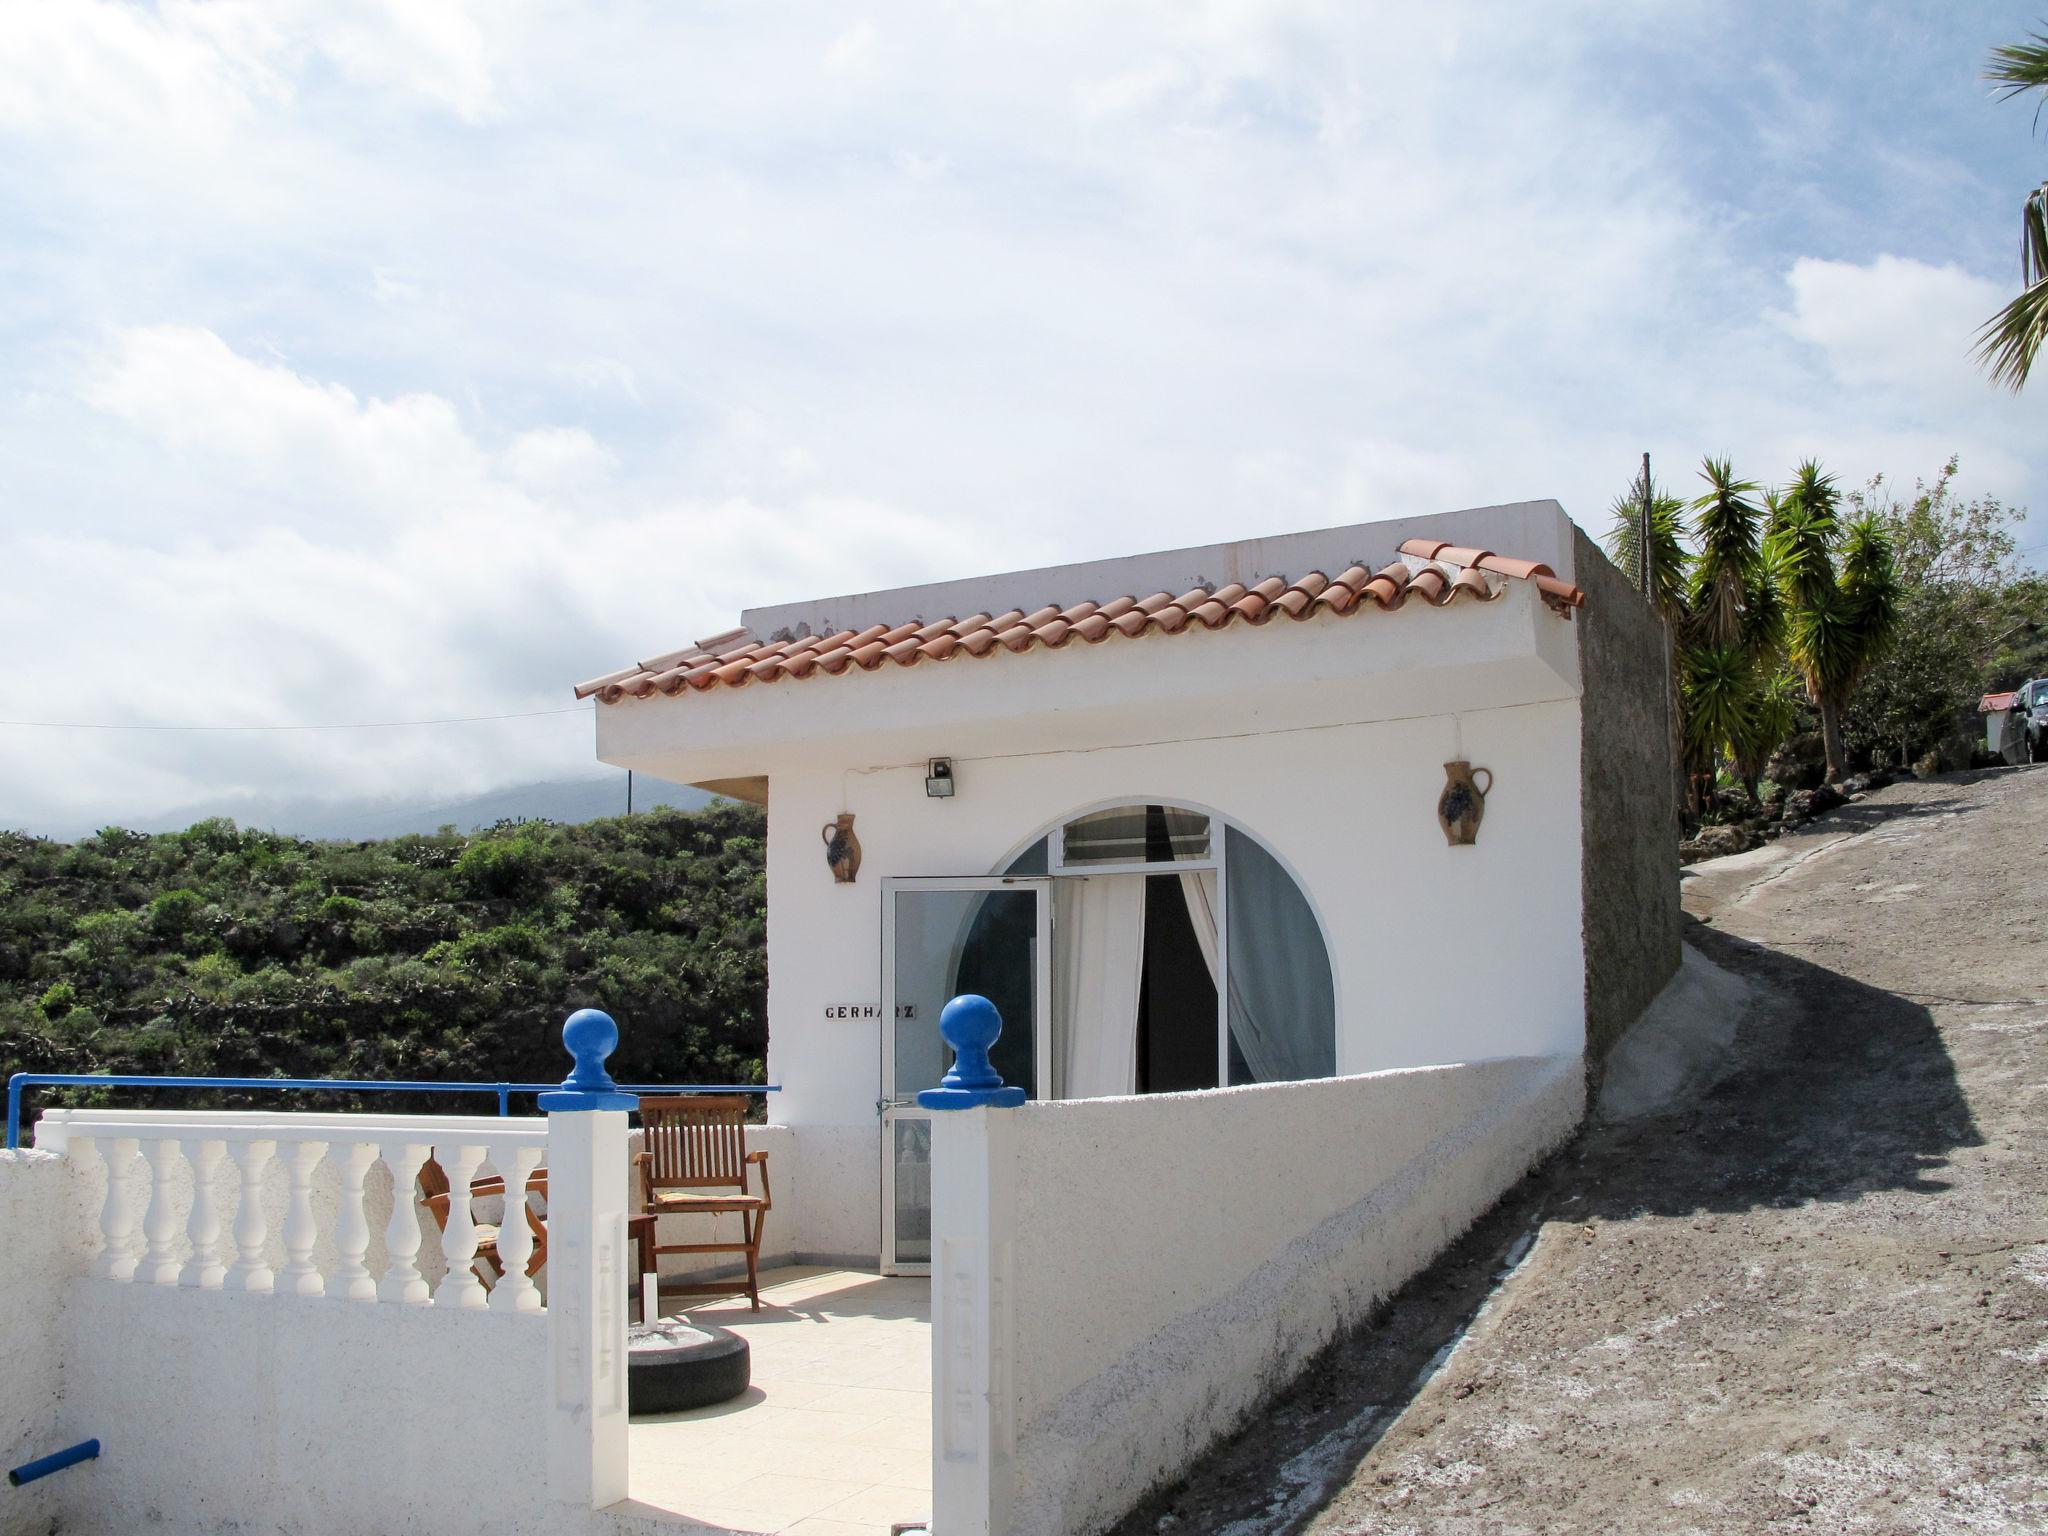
1773, 715
1841, 598
1727, 530
1667, 551
1719, 692
2010, 339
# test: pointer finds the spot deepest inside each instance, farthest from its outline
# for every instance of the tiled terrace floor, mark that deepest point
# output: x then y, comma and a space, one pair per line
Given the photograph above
834, 1438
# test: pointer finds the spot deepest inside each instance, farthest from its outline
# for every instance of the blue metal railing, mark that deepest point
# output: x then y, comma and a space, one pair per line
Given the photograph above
504, 1091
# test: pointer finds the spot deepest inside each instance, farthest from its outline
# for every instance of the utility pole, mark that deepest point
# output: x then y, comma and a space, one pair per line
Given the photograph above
1643, 538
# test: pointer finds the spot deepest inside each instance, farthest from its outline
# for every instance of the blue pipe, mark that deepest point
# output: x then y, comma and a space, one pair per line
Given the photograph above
29, 1471
503, 1091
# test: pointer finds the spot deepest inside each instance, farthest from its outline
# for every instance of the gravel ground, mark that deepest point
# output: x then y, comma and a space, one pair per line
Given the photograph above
1815, 1298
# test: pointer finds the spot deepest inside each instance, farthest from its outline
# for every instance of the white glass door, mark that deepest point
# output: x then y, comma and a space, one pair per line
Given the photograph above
942, 937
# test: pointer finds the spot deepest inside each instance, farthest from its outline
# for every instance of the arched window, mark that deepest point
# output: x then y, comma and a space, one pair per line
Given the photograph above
1185, 956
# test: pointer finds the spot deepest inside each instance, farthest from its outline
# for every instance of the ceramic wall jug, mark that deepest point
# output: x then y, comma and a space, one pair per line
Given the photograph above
1463, 802
842, 848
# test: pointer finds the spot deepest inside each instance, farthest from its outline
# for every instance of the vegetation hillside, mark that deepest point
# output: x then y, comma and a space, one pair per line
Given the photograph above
222, 952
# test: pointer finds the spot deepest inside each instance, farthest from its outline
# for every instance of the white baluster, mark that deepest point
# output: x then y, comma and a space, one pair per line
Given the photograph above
352, 1280
251, 1272
402, 1281
301, 1277
515, 1290
460, 1286
117, 1255
160, 1261
203, 1268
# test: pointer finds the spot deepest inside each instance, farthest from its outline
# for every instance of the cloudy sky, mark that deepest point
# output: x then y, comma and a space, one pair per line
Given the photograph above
370, 361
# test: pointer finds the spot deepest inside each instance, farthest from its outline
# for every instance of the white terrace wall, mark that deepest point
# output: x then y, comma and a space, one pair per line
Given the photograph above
329, 1392
1175, 1259
47, 1229
223, 1412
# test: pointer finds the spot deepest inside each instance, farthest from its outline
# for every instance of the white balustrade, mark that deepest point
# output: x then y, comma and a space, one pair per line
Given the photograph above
160, 1260
402, 1280
116, 1260
313, 1171
352, 1280
173, 1230
251, 1270
203, 1268
460, 1287
300, 1275
515, 1290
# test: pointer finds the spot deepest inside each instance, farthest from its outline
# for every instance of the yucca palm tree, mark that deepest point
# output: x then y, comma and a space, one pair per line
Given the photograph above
1773, 716
1727, 528
2010, 339
1718, 691
1841, 598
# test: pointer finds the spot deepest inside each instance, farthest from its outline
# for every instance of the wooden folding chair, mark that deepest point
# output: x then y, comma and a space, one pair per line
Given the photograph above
434, 1195
695, 1164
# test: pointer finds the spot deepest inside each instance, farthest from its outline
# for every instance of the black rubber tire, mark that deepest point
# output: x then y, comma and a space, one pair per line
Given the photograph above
667, 1375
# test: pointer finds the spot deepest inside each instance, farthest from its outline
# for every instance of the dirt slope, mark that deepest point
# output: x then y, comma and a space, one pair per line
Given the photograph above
1815, 1299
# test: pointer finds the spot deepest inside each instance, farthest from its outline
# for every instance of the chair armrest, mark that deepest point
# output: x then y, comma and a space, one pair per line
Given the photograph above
757, 1157
493, 1185
760, 1160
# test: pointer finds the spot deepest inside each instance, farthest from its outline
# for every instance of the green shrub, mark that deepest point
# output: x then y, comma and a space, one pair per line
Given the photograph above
223, 952
174, 912
494, 868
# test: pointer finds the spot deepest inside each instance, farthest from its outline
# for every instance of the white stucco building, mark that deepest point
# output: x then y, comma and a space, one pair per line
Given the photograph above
1185, 832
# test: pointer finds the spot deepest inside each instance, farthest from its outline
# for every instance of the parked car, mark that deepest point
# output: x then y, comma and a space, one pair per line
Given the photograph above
2030, 713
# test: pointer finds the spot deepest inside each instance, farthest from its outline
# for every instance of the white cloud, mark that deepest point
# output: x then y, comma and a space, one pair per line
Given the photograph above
374, 358
190, 72
1892, 322
487, 581
853, 51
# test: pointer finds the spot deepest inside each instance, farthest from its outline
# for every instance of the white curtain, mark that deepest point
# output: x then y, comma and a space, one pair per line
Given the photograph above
1198, 888
1098, 967
1283, 1006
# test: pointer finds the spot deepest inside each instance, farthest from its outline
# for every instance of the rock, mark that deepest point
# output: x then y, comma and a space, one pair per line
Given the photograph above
1717, 841
1801, 763
1927, 767
1807, 803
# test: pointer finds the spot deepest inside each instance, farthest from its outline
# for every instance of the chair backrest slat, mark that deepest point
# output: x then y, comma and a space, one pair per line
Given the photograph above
695, 1141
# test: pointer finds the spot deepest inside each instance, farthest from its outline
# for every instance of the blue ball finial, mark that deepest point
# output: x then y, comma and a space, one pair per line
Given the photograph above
971, 1025
589, 1036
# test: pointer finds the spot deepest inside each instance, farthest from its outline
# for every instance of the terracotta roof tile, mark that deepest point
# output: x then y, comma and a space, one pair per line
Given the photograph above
1996, 701
1444, 574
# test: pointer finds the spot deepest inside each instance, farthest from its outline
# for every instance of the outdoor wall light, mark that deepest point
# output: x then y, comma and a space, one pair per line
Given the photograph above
938, 778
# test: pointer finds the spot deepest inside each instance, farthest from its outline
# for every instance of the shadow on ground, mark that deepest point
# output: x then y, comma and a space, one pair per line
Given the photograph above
1840, 1089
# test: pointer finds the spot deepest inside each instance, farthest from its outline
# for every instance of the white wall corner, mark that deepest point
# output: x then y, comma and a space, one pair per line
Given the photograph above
973, 1327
